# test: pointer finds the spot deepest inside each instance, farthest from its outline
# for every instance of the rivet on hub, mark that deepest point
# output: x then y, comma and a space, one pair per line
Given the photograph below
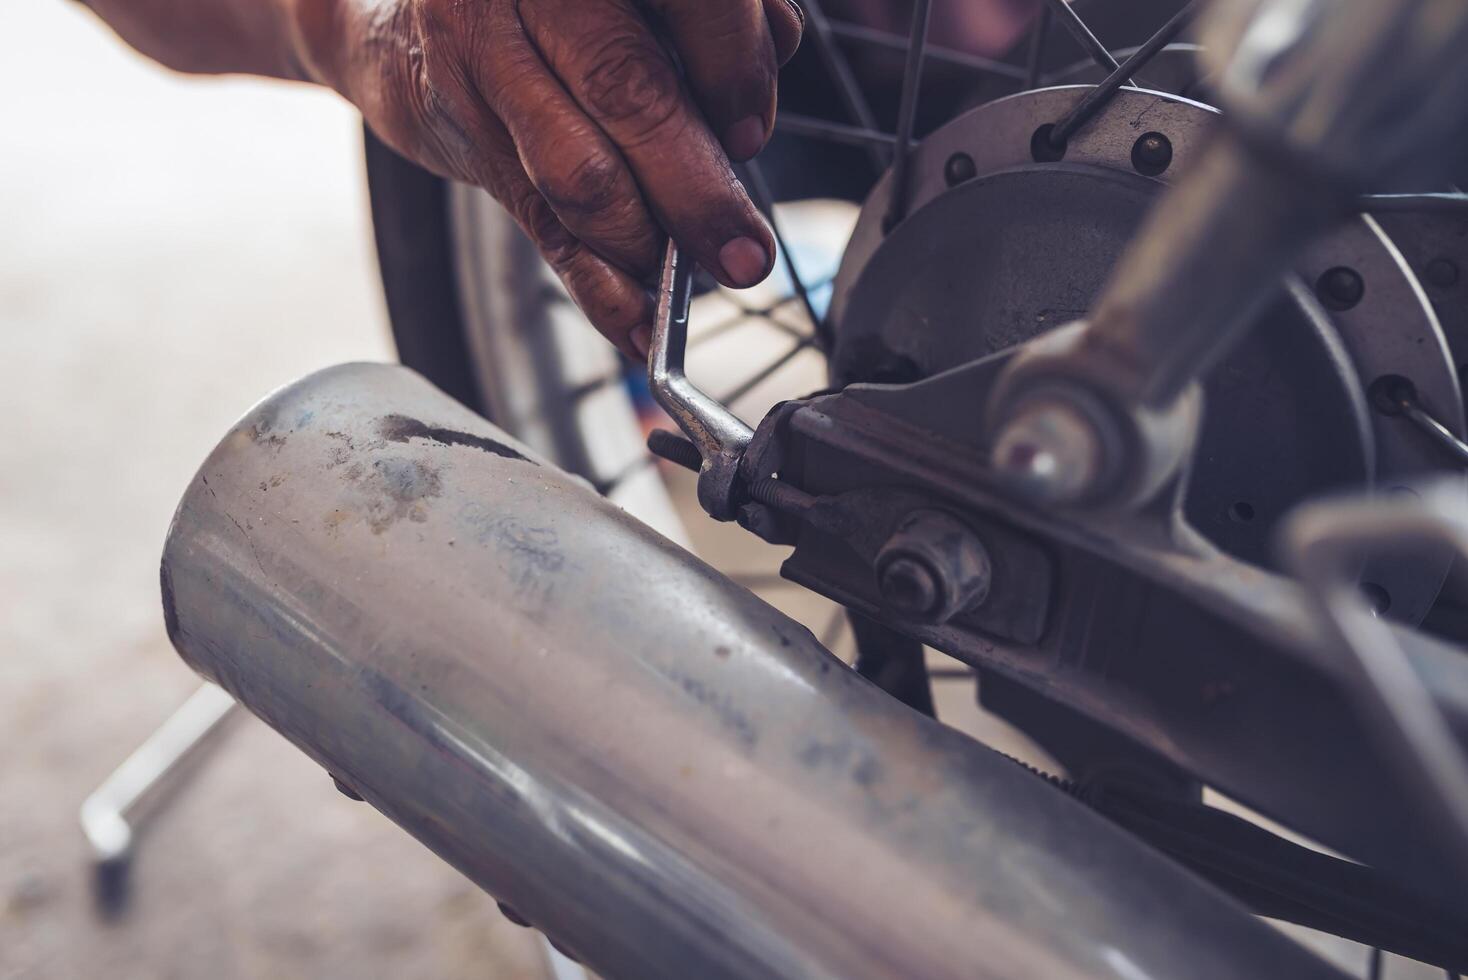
910, 587
1441, 272
1340, 288
1043, 149
1378, 598
959, 169
1151, 154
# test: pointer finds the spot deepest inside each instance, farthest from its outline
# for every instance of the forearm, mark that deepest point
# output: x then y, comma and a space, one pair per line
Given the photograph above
257, 37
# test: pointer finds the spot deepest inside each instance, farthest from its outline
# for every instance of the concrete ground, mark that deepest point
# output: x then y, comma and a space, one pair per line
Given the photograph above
170, 250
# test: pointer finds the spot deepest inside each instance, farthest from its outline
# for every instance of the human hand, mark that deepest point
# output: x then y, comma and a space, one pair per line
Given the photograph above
572, 114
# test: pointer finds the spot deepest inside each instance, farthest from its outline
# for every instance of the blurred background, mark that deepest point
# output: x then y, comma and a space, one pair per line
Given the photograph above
171, 249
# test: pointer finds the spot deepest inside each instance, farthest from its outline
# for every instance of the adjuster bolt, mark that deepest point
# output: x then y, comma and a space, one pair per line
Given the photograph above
932, 568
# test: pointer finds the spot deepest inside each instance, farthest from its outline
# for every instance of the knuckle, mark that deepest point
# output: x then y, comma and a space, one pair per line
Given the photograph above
436, 107
539, 220
591, 186
629, 80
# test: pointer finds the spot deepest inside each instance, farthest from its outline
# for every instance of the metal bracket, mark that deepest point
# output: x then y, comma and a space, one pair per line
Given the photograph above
720, 436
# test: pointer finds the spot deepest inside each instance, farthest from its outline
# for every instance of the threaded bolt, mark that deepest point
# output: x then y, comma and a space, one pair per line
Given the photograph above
780, 495
675, 449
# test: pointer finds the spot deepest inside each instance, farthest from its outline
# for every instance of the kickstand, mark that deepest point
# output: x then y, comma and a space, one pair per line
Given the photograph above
113, 814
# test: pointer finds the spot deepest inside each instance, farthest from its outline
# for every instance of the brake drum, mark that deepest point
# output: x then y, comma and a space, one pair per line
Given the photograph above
1006, 238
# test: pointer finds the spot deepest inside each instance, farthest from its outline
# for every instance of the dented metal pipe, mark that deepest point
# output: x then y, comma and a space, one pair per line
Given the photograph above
665, 774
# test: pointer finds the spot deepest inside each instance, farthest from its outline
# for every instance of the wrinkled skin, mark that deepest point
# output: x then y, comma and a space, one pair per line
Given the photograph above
572, 113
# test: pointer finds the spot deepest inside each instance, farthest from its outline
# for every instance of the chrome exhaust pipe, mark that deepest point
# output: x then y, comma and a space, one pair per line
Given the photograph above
666, 775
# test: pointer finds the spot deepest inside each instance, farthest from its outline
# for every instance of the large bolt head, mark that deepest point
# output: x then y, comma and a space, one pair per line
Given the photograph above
910, 587
932, 568
1049, 453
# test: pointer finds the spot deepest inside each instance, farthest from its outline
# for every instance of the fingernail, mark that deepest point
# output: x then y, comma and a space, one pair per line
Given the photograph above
745, 138
641, 337
798, 10
745, 261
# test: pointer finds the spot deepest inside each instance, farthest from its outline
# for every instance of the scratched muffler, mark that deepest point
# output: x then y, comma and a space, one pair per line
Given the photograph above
646, 761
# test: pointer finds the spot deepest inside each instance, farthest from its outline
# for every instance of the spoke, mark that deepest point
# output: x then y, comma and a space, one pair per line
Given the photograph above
1035, 60
1373, 964
744, 317
1397, 396
764, 373
1386, 203
797, 125
766, 315
1078, 29
1098, 97
818, 29
1449, 443
912, 78
719, 329
766, 202
861, 34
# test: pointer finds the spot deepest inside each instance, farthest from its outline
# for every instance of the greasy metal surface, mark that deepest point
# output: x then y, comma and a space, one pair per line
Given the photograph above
997, 137
1210, 663
666, 775
1392, 330
1008, 256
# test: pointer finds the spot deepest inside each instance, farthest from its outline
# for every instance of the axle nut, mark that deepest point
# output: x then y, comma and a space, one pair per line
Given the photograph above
932, 568
1050, 453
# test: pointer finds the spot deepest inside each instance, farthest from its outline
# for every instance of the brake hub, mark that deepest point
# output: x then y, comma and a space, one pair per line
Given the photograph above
1009, 237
